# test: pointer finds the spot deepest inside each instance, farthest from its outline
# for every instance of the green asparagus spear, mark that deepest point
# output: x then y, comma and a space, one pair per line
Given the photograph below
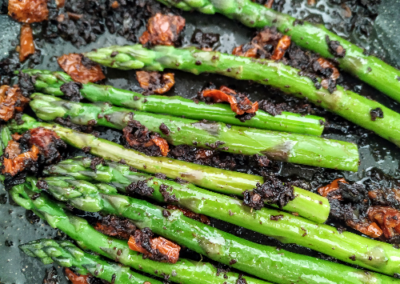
209, 241
310, 36
306, 203
5, 137
292, 148
344, 103
50, 83
66, 254
282, 226
184, 271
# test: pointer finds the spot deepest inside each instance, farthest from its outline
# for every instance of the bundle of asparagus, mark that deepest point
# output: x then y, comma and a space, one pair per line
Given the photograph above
287, 228
265, 262
292, 148
66, 254
305, 204
50, 82
317, 38
184, 271
347, 104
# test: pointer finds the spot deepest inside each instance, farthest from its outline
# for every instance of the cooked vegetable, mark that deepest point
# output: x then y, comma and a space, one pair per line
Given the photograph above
292, 148
5, 138
184, 271
283, 226
163, 29
317, 38
155, 82
12, 101
80, 68
344, 103
28, 11
305, 204
66, 254
27, 46
211, 242
50, 83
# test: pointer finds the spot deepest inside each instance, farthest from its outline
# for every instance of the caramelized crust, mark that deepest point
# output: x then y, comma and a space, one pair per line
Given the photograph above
156, 82
11, 102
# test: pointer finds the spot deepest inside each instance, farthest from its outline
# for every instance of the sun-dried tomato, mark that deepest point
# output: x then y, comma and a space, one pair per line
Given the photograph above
80, 69
190, 214
370, 229
333, 186
164, 247
27, 47
12, 150
387, 218
115, 5
239, 104
28, 11
280, 49
156, 82
246, 52
162, 144
18, 164
60, 3
11, 102
163, 30
76, 279
327, 64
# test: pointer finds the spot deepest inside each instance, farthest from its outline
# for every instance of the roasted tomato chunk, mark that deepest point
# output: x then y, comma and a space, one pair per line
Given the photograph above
19, 163
12, 150
370, 229
27, 47
329, 190
387, 218
280, 49
156, 82
116, 227
240, 104
76, 279
48, 142
28, 11
80, 68
163, 30
11, 102
159, 249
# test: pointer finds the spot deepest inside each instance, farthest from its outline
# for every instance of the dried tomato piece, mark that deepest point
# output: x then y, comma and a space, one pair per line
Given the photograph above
280, 49
76, 279
11, 101
159, 249
80, 68
327, 64
387, 218
115, 5
246, 52
190, 214
60, 3
28, 11
156, 82
162, 144
370, 229
333, 186
240, 104
27, 47
163, 30
18, 164
269, 4
12, 150
48, 142
116, 227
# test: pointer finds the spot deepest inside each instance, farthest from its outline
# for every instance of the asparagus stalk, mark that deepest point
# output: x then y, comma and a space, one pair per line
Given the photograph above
66, 254
211, 242
306, 203
184, 271
5, 137
307, 35
282, 226
347, 104
50, 83
292, 148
